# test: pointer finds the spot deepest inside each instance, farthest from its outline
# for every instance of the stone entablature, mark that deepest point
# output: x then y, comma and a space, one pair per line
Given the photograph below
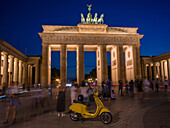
5, 47
88, 34
91, 28
90, 38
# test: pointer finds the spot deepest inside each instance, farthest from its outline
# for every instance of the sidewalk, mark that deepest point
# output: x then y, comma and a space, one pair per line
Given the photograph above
127, 112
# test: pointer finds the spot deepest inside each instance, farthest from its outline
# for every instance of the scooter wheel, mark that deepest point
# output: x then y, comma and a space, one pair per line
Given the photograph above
74, 116
106, 117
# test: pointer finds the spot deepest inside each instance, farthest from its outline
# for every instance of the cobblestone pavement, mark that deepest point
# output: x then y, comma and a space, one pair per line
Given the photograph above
127, 112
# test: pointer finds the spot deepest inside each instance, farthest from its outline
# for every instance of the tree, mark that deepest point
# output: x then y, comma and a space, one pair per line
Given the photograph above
55, 74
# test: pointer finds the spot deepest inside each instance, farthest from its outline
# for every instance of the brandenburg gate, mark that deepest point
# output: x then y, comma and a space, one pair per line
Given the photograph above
122, 42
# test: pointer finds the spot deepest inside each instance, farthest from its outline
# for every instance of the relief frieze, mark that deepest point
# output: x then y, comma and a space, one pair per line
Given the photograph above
90, 38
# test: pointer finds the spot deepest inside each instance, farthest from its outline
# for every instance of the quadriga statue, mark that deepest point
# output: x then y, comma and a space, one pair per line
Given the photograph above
100, 20
95, 19
82, 19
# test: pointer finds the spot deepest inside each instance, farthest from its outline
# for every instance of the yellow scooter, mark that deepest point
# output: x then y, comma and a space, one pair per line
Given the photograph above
79, 110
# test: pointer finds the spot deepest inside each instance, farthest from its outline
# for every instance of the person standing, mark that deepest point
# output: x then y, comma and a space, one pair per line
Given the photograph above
61, 101
146, 85
4, 88
84, 91
109, 91
120, 87
157, 85
13, 101
165, 85
131, 88
139, 87
73, 92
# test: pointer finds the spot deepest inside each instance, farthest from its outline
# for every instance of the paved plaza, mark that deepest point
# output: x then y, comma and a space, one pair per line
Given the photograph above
127, 112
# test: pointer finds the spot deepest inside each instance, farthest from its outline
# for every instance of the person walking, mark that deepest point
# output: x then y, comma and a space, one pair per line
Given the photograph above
139, 87
146, 85
157, 85
61, 102
109, 92
84, 91
131, 88
120, 87
73, 92
13, 101
126, 88
165, 85
4, 88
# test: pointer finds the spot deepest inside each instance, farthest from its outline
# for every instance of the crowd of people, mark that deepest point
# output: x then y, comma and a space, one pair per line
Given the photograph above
84, 93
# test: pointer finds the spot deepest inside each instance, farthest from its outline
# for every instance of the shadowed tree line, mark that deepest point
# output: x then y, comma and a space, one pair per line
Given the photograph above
55, 74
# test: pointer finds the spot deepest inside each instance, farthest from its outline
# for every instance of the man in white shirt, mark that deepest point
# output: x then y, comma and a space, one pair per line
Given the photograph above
73, 92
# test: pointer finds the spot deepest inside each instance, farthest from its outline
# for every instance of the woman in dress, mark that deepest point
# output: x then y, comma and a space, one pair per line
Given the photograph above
61, 102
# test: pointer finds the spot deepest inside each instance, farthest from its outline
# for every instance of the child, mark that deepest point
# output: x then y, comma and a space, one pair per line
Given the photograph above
113, 95
61, 102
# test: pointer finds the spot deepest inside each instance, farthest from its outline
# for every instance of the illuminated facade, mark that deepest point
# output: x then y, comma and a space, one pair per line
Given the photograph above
17, 67
123, 43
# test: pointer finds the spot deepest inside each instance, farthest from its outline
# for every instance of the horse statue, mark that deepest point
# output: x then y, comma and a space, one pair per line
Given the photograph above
100, 20
88, 19
95, 19
82, 19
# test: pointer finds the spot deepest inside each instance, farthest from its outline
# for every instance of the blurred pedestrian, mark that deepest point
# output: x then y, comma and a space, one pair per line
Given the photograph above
73, 92
108, 84
157, 85
4, 89
165, 85
84, 91
126, 88
151, 85
61, 101
13, 101
139, 87
146, 85
131, 88
113, 95
120, 87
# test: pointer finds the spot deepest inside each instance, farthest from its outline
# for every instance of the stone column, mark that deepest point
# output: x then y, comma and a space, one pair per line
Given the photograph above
44, 75
80, 64
30, 75
5, 68
150, 71
158, 68
162, 71
146, 72
63, 65
168, 68
137, 61
37, 74
121, 67
154, 70
11, 69
15, 78
49, 65
102, 69
24, 73
114, 66
20, 72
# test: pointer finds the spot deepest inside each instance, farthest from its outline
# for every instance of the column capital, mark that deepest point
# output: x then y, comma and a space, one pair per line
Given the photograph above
4, 53
45, 45
11, 56
20, 61
15, 59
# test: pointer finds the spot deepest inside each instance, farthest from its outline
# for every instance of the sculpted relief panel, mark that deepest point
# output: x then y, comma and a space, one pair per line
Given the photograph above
88, 38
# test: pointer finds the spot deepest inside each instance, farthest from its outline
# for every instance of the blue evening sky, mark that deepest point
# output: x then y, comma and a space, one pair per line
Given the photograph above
21, 20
